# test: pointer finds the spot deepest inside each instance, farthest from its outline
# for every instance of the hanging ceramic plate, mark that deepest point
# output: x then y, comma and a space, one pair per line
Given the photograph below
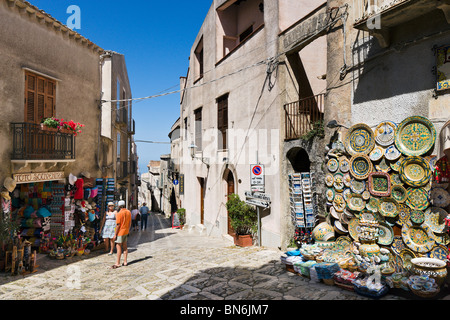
385, 133
407, 255
392, 153
339, 202
380, 184
377, 153
415, 171
398, 245
385, 234
366, 195
359, 139
356, 202
347, 180
338, 182
395, 165
404, 213
333, 165
440, 197
360, 166
417, 216
334, 213
388, 207
358, 186
343, 243
395, 179
418, 238
346, 193
435, 219
415, 136
329, 180
354, 228
383, 165
442, 238
330, 194
373, 204
417, 198
344, 164
398, 193
439, 252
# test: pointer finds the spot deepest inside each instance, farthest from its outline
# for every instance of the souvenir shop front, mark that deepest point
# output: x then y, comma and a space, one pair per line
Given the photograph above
387, 220
51, 214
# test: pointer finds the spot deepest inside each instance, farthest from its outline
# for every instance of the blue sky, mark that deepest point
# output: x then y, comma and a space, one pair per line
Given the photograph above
156, 38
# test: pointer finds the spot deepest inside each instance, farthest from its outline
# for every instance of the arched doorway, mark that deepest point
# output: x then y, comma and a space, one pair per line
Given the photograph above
230, 190
299, 159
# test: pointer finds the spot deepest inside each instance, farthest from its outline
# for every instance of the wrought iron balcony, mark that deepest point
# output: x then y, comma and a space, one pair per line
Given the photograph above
300, 116
31, 142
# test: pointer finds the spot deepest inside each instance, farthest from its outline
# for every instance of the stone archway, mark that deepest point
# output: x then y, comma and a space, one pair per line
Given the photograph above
299, 160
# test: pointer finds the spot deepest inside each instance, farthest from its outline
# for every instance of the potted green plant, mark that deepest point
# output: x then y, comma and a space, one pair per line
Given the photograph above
243, 219
182, 216
50, 124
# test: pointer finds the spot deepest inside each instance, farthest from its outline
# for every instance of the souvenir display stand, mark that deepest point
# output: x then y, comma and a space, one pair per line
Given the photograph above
387, 225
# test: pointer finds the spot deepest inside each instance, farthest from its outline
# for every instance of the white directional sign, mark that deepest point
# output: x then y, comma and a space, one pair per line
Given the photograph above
258, 199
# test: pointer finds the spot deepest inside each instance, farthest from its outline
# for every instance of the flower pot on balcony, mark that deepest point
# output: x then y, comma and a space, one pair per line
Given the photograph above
243, 240
66, 131
49, 129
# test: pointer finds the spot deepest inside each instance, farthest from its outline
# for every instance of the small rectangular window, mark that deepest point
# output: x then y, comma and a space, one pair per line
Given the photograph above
198, 128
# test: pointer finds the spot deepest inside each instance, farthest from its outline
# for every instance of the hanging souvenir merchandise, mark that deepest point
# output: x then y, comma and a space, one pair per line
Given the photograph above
387, 225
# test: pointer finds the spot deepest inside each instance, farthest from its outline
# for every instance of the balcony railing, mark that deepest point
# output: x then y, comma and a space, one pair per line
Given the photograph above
31, 142
300, 116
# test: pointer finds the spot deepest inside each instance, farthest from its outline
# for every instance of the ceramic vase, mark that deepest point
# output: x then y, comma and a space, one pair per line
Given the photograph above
434, 268
369, 249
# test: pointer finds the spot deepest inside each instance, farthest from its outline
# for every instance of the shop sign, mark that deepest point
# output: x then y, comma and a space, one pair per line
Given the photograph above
181, 190
21, 178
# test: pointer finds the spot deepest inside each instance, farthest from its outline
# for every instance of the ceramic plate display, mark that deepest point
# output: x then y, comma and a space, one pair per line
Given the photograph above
347, 180
417, 198
366, 195
380, 184
343, 243
338, 182
395, 165
418, 238
440, 197
344, 164
442, 238
388, 207
417, 216
332, 165
385, 133
360, 166
385, 234
356, 202
407, 255
354, 228
415, 171
359, 139
415, 136
339, 202
383, 165
392, 153
330, 194
397, 244
439, 252
373, 204
377, 153
398, 193
404, 213
329, 180
346, 193
395, 179
358, 186
434, 218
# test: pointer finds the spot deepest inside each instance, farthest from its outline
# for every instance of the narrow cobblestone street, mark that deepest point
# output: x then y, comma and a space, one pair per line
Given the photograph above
171, 264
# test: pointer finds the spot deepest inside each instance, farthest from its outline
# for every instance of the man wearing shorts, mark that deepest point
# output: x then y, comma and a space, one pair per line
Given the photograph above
123, 220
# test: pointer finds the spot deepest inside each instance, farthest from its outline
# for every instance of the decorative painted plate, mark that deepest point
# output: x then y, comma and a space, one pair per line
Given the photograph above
418, 238
358, 186
434, 219
385, 234
398, 245
360, 166
404, 213
356, 202
440, 197
343, 218
407, 255
417, 198
388, 207
373, 204
346, 193
347, 180
359, 139
354, 228
343, 243
415, 171
339, 227
334, 213
439, 252
398, 193
333, 165
338, 182
380, 184
339, 202
330, 194
395, 165
329, 180
383, 165
366, 195
415, 136
344, 164
392, 153
371, 216
385, 133
442, 238
417, 216
395, 179
377, 153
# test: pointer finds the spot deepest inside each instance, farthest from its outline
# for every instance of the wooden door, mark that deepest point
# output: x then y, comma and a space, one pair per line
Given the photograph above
230, 190
202, 200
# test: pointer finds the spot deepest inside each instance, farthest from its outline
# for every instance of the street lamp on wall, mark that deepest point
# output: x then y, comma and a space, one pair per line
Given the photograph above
192, 147
333, 124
